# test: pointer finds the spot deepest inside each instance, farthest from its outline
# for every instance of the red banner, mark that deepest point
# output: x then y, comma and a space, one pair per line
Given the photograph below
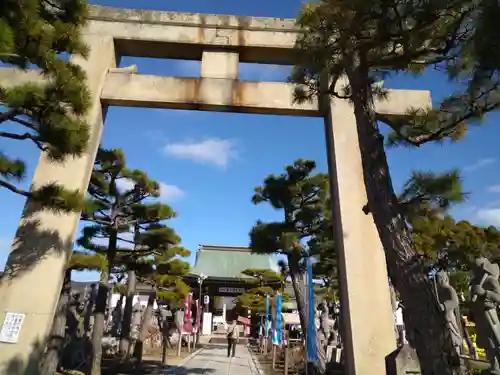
188, 324
243, 320
198, 316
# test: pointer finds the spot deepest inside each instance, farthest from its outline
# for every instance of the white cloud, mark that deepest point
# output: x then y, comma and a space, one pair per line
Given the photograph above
481, 163
168, 193
124, 184
494, 189
495, 203
213, 151
489, 216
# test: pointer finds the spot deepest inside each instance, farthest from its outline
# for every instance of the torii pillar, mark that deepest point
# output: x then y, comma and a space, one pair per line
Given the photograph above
366, 312
35, 259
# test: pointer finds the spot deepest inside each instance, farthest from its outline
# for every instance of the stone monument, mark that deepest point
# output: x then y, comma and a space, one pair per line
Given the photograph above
73, 316
90, 298
485, 297
326, 331
450, 304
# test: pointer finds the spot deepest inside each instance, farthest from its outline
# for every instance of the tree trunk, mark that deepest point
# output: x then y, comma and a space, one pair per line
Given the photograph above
164, 341
99, 323
424, 321
144, 330
300, 297
127, 314
55, 344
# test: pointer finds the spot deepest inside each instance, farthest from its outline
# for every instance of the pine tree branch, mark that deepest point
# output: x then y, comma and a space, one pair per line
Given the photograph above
127, 241
94, 192
95, 220
14, 189
135, 251
139, 199
105, 216
53, 5
450, 121
6, 116
25, 123
23, 137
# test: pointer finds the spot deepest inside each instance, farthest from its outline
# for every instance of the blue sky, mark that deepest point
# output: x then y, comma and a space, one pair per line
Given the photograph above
209, 162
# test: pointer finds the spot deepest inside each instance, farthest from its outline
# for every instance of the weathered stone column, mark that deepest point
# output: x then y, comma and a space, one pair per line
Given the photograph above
219, 64
219, 74
368, 324
35, 267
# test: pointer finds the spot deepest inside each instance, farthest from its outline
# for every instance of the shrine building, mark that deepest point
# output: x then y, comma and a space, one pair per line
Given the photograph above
218, 271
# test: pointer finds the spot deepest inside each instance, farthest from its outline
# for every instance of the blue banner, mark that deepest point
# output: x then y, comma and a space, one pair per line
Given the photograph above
311, 350
278, 332
268, 305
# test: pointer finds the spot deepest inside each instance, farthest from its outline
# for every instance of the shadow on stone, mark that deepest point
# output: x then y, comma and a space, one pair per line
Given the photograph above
403, 360
32, 243
17, 366
335, 368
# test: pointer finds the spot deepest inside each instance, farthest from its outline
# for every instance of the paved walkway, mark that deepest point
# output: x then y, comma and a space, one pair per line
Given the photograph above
213, 360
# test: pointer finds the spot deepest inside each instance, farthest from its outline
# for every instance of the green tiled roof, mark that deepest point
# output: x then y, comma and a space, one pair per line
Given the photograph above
228, 262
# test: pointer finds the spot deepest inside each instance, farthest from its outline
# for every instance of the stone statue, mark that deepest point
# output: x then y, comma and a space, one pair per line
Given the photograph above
179, 319
88, 319
136, 320
485, 296
335, 310
117, 314
326, 328
449, 304
395, 312
73, 316
136, 314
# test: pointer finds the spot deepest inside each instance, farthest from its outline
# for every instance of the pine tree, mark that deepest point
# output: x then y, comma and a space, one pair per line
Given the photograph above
265, 283
112, 212
301, 196
164, 274
149, 237
40, 33
364, 41
55, 344
424, 199
322, 247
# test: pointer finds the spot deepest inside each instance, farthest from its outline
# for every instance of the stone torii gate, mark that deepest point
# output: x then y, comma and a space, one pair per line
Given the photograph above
220, 42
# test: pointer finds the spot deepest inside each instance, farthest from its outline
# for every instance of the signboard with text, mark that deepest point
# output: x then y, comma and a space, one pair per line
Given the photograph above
11, 327
231, 290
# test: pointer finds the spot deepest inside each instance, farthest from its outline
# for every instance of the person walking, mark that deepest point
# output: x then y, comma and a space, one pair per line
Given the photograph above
233, 336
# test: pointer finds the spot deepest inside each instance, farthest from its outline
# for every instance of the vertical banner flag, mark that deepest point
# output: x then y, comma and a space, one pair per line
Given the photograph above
188, 324
279, 321
311, 350
268, 303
